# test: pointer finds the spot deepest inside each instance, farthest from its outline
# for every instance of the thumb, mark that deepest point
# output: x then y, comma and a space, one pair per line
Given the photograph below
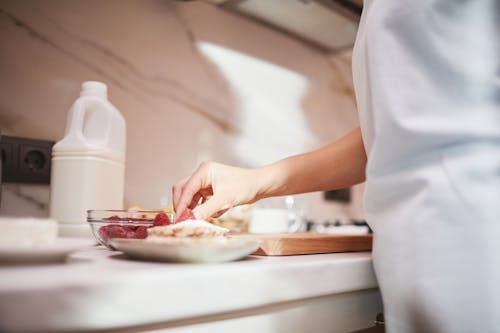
210, 207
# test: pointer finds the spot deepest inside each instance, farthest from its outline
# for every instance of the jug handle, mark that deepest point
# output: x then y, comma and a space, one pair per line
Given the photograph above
78, 118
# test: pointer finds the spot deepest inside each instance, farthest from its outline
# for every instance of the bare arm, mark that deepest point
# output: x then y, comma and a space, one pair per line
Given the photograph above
219, 187
337, 165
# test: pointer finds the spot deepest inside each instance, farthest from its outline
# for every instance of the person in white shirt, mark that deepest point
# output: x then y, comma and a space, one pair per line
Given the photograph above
427, 82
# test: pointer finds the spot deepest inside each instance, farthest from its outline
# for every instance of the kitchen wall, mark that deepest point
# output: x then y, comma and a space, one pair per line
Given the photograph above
193, 82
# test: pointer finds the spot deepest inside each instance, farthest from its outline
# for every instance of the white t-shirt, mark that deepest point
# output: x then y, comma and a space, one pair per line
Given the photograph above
427, 82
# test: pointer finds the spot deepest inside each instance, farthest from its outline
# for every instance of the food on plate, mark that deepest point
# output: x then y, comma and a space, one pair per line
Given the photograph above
187, 240
188, 228
122, 230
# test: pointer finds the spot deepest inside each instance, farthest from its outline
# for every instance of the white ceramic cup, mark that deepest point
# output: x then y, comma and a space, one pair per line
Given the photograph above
272, 220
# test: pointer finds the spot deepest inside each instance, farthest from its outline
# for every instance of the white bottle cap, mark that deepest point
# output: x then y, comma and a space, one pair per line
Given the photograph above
94, 88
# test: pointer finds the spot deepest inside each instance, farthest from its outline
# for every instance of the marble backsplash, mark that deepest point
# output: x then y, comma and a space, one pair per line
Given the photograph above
193, 82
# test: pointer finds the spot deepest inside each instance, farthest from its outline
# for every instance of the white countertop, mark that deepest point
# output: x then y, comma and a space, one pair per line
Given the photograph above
100, 289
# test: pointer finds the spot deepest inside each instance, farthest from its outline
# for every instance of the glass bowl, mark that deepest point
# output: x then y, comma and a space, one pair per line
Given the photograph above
108, 224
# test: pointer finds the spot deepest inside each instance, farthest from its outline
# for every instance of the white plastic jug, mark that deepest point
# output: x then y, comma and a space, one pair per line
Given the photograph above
88, 164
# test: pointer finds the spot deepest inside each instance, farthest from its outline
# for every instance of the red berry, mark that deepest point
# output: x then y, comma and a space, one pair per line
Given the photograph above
104, 232
161, 219
130, 234
141, 232
117, 231
187, 214
113, 218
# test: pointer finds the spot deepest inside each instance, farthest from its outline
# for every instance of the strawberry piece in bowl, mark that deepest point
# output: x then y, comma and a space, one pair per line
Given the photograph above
108, 224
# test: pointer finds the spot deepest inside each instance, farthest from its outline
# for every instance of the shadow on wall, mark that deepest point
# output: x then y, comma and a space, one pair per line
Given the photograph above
182, 103
176, 107
270, 119
328, 103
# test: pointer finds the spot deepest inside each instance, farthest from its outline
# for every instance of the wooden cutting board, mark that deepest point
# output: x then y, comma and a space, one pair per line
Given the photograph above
308, 243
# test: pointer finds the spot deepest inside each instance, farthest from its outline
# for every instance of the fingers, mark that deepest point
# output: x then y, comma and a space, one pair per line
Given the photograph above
195, 201
177, 191
197, 182
220, 213
211, 190
210, 207
202, 194
187, 194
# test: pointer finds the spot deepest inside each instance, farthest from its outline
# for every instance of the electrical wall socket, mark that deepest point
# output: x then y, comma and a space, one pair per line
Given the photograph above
25, 160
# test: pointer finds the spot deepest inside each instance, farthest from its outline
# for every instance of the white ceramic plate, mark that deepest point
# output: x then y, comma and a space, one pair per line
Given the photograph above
192, 251
56, 252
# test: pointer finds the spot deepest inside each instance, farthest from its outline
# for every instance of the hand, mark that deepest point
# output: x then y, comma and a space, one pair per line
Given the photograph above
214, 188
